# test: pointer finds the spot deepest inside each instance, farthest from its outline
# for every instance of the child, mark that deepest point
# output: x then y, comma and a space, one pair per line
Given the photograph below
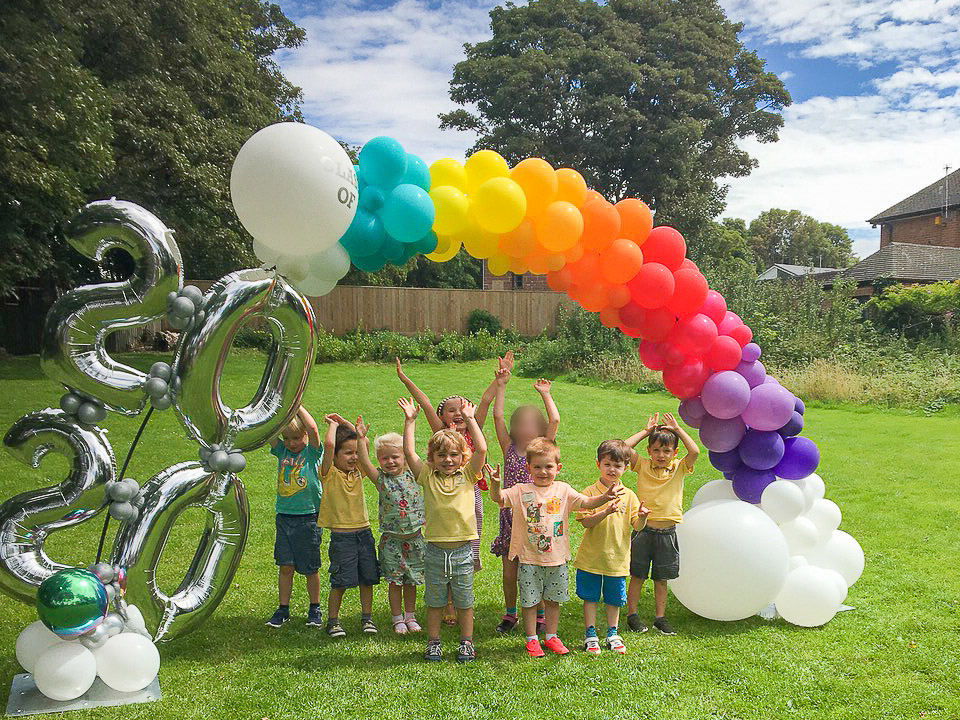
297, 547
353, 554
540, 540
526, 423
654, 549
603, 560
447, 478
401, 519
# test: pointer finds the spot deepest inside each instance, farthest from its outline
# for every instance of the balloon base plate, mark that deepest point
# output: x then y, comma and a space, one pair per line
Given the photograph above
25, 699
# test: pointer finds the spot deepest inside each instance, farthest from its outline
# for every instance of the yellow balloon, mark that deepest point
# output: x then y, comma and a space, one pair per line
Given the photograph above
448, 171
520, 241
498, 264
447, 248
499, 205
483, 166
539, 183
478, 242
453, 209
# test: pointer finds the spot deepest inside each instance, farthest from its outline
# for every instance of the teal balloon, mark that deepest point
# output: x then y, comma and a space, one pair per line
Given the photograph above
372, 199
71, 602
393, 250
418, 173
370, 263
361, 183
383, 162
365, 235
408, 213
428, 243
409, 251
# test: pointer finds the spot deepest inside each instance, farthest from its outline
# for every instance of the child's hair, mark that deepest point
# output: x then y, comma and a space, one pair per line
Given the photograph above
391, 439
447, 438
525, 410
296, 424
663, 436
343, 435
447, 399
543, 446
615, 450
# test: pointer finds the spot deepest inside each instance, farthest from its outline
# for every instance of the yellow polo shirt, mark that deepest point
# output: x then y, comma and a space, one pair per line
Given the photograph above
449, 502
605, 548
661, 490
344, 504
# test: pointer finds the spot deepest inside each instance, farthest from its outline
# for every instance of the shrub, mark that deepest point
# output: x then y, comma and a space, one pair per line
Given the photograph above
918, 312
480, 319
384, 345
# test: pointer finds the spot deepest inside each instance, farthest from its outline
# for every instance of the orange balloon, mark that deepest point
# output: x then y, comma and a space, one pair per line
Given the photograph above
574, 253
601, 224
555, 261
618, 296
621, 261
539, 183
571, 187
610, 317
520, 241
518, 266
636, 220
586, 270
560, 226
498, 264
592, 195
559, 280
538, 264
593, 297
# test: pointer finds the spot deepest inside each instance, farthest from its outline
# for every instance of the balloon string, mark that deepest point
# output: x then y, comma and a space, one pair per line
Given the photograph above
123, 470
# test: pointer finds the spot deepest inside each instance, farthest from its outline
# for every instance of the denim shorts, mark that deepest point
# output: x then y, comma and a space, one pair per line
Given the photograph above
448, 570
592, 586
539, 582
654, 552
353, 559
298, 542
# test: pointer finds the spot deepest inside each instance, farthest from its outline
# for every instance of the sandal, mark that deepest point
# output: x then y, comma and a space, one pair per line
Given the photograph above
400, 627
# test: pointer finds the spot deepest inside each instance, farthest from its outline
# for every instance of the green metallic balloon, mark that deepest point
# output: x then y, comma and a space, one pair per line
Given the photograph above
71, 602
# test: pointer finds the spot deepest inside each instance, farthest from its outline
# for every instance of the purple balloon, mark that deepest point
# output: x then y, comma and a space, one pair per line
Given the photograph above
761, 450
753, 372
728, 476
749, 484
721, 435
769, 408
725, 462
692, 411
771, 379
800, 458
725, 394
799, 407
794, 425
751, 352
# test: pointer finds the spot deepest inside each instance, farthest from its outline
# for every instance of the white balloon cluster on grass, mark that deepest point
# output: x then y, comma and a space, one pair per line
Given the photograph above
126, 662
737, 558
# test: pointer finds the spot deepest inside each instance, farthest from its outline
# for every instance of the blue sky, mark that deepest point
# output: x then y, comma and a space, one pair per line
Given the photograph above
875, 84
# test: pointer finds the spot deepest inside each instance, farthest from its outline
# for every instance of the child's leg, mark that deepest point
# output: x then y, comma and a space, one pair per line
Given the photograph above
394, 593
334, 601
409, 599
633, 595
529, 620
285, 584
465, 619
366, 599
613, 616
313, 587
590, 614
510, 583
434, 616
552, 616
660, 597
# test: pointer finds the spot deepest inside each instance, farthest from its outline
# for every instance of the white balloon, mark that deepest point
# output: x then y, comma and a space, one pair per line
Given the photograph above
721, 489
841, 552
331, 264
314, 286
840, 583
817, 485
65, 671
733, 560
825, 515
809, 493
782, 500
801, 535
798, 561
135, 622
808, 597
265, 254
32, 641
294, 188
127, 662
292, 268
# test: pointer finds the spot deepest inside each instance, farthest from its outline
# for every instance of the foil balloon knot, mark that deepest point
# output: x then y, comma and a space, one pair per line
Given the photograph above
86, 410
185, 307
123, 499
157, 387
219, 459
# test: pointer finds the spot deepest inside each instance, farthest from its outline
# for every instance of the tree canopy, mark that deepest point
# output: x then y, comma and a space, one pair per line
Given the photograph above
789, 236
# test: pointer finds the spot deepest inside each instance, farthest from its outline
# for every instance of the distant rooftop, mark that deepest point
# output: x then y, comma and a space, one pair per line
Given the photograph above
782, 270
930, 199
907, 261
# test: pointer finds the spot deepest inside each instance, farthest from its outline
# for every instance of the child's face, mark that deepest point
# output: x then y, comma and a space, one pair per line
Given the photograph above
294, 440
447, 460
611, 470
524, 427
661, 455
345, 458
390, 459
543, 469
451, 416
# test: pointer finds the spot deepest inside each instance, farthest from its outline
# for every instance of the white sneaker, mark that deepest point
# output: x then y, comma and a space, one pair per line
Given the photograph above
592, 645
615, 643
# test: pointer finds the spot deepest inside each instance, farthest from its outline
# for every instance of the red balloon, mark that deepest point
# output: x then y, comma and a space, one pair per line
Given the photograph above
742, 334
630, 331
714, 307
729, 322
724, 354
666, 246
657, 324
610, 317
673, 354
694, 334
632, 315
689, 264
559, 280
652, 286
651, 355
686, 380
689, 291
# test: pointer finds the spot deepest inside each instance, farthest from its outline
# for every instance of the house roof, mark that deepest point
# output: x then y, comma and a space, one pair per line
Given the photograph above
907, 261
780, 269
927, 200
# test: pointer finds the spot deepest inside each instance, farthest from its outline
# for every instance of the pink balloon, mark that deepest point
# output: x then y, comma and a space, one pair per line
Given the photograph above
730, 321
694, 334
714, 307
652, 355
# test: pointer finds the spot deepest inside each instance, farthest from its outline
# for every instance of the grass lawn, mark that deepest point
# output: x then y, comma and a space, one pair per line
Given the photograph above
895, 656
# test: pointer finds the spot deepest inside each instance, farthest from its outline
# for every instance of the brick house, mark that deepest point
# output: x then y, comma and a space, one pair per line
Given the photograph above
511, 281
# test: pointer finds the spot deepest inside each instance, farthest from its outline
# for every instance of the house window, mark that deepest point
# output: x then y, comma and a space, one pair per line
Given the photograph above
517, 281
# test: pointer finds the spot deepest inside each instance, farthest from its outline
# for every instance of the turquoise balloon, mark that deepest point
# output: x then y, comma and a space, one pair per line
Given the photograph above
372, 199
393, 250
383, 162
71, 602
428, 243
361, 183
370, 263
408, 213
409, 251
364, 236
417, 173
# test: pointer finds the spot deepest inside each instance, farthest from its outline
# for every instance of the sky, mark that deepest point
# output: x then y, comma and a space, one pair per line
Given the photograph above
875, 87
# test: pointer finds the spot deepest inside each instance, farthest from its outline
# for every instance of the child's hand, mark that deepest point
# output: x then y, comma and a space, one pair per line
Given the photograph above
502, 376
613, 492
335, 419
492, 475
542, 386
612, 508
506, 362
670, 421
362, 428
409, 407
653, 421
468, 410
400, 374
644, 510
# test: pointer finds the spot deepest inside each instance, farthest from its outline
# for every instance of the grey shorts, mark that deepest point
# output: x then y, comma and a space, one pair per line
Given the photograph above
401, 559
448, 570
654, 552
298, 543
538, 582
353, 559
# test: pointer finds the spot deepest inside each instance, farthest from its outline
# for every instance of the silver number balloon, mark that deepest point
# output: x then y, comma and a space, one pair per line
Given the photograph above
139, 546
76, 327
230, 304
27, 519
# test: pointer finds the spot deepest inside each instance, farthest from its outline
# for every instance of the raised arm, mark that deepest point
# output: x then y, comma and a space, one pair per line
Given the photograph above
502, 377
329, 443
494, 477
594, 501
410, 412
593, 519
479, 457
313, 432
543, 386
635, 439
421, 397
366, 466
693, 450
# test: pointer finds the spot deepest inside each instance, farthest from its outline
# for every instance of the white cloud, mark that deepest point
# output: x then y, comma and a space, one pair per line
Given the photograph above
786, 75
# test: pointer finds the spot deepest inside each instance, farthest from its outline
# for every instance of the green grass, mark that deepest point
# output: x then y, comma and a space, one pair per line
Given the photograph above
895, 656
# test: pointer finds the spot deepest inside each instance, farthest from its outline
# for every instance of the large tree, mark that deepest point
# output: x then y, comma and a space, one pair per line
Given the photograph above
145, 101
790, 236
646, 98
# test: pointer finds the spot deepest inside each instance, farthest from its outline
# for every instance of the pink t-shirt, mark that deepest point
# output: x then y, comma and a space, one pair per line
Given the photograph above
539, 533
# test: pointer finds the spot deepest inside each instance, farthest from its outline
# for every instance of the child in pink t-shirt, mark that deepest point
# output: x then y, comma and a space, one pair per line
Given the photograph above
540, 540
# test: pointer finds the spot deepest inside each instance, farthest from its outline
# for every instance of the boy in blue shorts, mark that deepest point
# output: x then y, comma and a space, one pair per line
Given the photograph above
299, 451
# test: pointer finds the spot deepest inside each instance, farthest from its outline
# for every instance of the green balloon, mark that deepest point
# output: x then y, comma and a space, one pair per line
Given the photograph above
71, 602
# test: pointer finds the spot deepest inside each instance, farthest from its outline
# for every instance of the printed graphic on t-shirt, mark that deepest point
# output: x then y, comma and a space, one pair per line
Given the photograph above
289, 481
543, 523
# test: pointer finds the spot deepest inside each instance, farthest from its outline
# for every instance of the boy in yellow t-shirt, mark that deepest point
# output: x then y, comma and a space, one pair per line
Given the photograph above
654, 550
603, 561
